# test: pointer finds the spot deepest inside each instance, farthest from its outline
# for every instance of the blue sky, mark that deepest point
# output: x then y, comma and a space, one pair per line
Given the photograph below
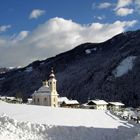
38, 29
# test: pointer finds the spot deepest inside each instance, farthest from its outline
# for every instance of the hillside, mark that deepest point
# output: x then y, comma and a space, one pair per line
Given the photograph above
108, 70
30, 122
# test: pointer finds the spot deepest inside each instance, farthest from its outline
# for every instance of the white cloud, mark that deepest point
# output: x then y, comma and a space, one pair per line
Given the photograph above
36, 13
123, 3
122, 7
124, 11
100, 17
3, 28
104, 5
127, 4
101, 5
55, 36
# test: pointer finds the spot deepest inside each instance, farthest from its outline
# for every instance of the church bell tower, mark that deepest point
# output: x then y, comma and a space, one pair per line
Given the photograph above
52, 85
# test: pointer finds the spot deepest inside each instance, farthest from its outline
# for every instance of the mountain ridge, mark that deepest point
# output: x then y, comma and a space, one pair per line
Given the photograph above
85, 72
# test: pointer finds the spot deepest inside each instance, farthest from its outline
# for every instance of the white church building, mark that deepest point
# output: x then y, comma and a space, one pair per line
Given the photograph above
47, 94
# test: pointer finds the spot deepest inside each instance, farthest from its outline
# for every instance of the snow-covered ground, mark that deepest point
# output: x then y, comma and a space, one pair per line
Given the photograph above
29, 122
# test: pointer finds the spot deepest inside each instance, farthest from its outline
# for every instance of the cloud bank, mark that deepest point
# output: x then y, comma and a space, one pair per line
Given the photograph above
54, 36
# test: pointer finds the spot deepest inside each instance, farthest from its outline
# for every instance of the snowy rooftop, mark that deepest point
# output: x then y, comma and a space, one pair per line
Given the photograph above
68, 102
99, 102
85, 104
62, 99
29, 99
117, 103
44, 90
6, 97
11, 98
2, 97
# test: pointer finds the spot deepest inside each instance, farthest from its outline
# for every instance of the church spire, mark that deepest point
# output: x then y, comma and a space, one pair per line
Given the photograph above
52, 81
52, 74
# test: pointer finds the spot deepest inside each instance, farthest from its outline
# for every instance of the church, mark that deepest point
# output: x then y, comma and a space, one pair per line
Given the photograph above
47, 94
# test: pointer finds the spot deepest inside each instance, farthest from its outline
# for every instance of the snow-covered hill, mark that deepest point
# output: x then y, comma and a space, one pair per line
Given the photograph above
29, 122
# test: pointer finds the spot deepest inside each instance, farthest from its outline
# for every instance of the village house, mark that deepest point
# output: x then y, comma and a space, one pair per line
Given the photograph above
46, 95
115, 106
97, 104
11, 99
61, 100
85, 106
70, 104
29, 101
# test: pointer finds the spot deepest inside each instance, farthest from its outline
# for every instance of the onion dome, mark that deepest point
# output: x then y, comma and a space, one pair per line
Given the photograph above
52, 74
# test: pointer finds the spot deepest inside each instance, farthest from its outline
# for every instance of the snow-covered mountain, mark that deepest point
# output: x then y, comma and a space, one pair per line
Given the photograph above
5, 69
30, 122
108, 70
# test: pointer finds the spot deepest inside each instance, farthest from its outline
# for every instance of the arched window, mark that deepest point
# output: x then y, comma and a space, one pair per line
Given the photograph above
45, 99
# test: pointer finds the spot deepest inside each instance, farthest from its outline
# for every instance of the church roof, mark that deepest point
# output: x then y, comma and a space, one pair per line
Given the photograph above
44, 90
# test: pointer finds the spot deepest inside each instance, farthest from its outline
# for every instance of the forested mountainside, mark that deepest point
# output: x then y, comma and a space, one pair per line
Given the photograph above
108, 70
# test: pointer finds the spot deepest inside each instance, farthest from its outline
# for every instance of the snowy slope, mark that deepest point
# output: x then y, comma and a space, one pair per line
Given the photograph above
28, 122
124, 66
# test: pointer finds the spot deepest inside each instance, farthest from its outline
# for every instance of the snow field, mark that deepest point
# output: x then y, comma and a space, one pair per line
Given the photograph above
29, 122
61, 116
